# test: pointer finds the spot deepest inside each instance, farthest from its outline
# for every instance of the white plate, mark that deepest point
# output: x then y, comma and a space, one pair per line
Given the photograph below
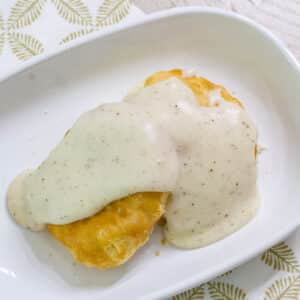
40, 104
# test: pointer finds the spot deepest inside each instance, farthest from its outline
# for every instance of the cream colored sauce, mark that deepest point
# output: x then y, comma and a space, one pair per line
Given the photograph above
109, 153
160, 140
216, 191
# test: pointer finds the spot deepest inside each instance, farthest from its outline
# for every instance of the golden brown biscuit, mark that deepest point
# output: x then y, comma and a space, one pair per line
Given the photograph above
199, 85
113, 235
109, 238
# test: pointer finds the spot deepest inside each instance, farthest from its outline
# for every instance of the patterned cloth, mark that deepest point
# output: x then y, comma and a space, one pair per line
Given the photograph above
275, 275
31, 27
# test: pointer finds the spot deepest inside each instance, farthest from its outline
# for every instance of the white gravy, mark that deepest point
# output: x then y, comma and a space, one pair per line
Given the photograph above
110, 152
161, 139
216, 190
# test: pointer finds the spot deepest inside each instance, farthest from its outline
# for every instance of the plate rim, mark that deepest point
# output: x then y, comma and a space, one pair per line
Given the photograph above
197, 280
150, 18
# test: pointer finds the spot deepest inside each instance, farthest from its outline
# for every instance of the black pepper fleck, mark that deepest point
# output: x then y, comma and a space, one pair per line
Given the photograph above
116, 160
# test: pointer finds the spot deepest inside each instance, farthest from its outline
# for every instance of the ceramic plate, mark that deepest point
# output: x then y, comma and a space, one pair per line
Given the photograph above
39, 104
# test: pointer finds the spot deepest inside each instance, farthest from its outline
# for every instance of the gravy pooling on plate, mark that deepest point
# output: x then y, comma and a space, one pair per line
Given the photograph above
161, 139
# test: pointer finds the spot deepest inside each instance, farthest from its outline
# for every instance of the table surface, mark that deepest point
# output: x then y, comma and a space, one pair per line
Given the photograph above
282, 17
